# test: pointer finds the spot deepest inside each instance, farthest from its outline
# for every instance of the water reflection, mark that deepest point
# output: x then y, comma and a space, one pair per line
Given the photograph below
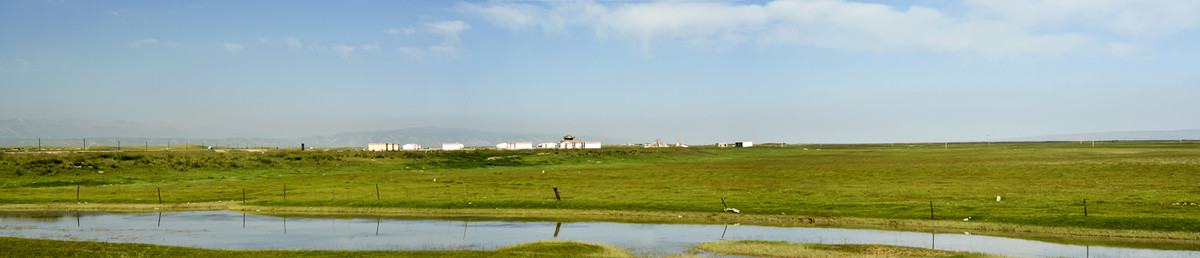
219, 229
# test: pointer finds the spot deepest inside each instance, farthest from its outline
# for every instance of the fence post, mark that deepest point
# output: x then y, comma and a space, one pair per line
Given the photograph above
159, 190
556, 196
931, 210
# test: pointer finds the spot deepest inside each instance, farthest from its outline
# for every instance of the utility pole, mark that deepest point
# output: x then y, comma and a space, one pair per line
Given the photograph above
118, 144
39, 144
85, 144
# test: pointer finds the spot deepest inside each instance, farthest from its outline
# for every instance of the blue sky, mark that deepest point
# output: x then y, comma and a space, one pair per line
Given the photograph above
802, 71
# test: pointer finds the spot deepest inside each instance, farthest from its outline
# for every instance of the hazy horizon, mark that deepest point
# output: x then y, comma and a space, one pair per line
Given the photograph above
704, 71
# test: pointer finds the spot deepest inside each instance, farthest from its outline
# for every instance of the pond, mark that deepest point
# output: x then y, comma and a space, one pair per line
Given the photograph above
232, 230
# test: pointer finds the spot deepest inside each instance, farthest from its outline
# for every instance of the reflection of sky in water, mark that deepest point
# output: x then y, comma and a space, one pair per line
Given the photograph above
225, 230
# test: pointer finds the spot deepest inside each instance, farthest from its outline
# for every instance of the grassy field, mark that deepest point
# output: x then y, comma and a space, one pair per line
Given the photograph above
17, 247
1132, 189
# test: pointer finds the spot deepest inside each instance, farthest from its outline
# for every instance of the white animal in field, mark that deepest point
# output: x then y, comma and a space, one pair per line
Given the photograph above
966, 219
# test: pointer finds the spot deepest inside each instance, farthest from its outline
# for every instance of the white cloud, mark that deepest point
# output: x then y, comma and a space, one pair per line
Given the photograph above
553, 18
450, 47
373, 47
987, 28
144, 42
448, 29
405, 31
343, 50
293, 43
1130, 17
1124, 50
264, 41
511, 16
232, 47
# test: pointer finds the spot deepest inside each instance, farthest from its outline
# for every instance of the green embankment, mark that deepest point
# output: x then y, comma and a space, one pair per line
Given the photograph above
1143, 190
18, 247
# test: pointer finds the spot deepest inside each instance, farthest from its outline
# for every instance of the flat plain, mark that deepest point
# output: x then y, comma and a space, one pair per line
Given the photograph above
1134, 191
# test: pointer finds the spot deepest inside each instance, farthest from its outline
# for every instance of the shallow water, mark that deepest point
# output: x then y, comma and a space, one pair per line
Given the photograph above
232, 230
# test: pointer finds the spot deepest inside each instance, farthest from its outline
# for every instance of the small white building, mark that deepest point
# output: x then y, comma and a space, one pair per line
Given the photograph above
411, 146
377, 146
569, 142
744, 144
515, 146
570, 145
547, 145
452, 146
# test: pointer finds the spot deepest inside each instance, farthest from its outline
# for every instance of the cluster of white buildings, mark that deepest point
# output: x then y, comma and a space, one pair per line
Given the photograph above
736, 144
568, 142
408, 147
392, 147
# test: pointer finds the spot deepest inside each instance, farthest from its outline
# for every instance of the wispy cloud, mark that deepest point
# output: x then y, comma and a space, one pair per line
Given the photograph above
143, 42
372, 47
988, 28
343, 50
448, 29
450, 47
293, 43
232, 47
405, 31
265, 41
1129, 17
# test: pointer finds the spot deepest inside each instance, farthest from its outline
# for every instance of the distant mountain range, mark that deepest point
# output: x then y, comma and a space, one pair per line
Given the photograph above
17, 132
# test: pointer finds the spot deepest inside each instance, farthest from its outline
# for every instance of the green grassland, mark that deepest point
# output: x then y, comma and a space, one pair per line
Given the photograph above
18, 247
1140, 190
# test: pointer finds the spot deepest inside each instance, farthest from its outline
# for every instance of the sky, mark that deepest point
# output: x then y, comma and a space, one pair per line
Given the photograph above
798, 71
